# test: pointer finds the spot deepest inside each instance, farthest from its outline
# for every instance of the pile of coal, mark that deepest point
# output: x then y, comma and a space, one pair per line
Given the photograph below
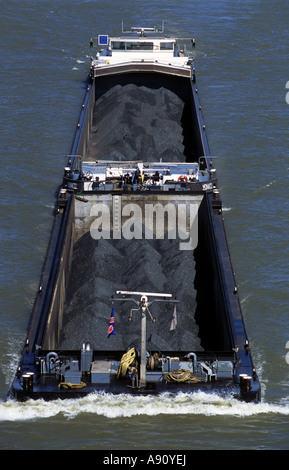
100, 267
132, 123
137, 123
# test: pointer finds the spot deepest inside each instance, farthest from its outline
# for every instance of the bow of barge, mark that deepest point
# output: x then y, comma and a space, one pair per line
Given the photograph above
137, 293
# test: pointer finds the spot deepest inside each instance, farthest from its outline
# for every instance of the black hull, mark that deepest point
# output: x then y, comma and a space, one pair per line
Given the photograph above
218, 315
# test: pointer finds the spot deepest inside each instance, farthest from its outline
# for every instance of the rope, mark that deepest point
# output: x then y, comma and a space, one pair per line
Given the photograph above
181, 375
70, 385
125, 361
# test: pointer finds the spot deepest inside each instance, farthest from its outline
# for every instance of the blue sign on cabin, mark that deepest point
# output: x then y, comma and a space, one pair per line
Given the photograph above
103, 40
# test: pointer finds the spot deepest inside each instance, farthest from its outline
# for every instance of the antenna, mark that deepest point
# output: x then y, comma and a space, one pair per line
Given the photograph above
142, 30
147, 294
143, 306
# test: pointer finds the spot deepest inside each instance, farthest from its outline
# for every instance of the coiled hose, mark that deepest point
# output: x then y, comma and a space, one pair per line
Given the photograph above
181, 376
125, 362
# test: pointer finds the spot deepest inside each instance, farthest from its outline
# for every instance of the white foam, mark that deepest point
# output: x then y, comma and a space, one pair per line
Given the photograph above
116, 406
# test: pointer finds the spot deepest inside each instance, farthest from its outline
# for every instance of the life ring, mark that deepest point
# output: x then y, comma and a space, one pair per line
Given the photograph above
182, 177
107, 62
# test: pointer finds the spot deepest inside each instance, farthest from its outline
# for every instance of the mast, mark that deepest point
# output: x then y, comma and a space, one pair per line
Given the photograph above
143, 306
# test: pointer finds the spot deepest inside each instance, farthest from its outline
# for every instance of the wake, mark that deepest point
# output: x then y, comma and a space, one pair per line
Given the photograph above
118, 406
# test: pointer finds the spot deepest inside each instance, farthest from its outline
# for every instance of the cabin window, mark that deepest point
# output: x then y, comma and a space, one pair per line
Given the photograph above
139, 46
167, 46
132, 46
118, 45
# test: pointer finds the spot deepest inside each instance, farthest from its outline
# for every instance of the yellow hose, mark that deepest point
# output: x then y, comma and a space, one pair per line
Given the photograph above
70, 385
181, 376
125, 361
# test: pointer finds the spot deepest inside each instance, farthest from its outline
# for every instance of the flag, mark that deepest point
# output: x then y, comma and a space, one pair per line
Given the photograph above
174, 319
111, 330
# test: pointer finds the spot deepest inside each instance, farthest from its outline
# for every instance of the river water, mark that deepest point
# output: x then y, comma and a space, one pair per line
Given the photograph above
242, 70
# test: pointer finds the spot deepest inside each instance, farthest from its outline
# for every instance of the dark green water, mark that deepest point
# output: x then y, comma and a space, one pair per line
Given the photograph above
242, 64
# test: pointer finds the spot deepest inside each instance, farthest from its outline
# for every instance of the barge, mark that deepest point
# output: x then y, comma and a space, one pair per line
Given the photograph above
137, 293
